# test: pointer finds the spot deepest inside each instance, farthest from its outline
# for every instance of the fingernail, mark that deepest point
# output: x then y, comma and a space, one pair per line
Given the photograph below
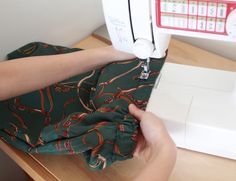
131, 105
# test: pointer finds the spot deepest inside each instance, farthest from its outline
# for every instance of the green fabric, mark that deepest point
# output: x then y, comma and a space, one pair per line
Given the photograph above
85, 114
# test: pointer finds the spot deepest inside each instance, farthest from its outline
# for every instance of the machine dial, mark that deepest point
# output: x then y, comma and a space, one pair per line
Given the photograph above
231, 24
143, 48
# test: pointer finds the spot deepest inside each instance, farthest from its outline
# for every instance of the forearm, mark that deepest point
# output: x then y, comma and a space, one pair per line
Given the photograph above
28, 74
160, 165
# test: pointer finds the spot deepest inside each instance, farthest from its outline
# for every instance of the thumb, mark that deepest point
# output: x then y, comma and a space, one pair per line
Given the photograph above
136, 112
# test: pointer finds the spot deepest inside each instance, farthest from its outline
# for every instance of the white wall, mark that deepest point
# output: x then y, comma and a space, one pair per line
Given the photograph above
61, 22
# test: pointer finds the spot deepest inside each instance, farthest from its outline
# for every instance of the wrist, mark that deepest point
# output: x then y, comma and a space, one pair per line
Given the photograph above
165, 145
116, 55
106, 54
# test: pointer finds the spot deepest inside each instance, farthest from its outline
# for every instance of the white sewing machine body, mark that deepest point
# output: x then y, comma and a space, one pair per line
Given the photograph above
198, 105
144, 27
199, 108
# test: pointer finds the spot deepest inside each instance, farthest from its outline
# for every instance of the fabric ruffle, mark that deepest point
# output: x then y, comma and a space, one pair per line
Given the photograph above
85, 114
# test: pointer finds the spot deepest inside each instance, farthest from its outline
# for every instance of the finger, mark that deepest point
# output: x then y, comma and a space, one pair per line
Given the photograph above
136, 112
137, 150
140, 146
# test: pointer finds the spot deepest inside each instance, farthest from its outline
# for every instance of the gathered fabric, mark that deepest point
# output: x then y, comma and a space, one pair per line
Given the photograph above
85, 114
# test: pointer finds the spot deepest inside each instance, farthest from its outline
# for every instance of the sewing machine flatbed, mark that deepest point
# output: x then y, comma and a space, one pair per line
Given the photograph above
198, 106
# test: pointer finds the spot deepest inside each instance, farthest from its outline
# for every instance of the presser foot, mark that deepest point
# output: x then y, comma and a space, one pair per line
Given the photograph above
144, 75
146, 70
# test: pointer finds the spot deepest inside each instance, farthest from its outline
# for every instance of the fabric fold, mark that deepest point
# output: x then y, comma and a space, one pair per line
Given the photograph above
85, 114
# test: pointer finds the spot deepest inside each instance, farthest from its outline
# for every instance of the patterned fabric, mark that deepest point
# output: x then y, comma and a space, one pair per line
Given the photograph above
85, 114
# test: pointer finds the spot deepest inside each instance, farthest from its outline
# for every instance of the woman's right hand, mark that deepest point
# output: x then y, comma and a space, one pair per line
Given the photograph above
154, 146
153, 134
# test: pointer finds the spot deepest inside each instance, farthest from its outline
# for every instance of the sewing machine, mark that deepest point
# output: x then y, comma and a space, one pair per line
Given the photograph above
198, 105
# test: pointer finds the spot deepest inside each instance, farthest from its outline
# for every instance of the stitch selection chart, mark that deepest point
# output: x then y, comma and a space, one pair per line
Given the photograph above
194, 15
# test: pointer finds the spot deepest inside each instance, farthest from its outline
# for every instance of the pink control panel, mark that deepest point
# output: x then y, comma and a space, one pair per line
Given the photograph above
206, 16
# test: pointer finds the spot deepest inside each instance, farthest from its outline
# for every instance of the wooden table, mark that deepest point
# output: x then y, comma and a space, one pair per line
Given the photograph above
190, 166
